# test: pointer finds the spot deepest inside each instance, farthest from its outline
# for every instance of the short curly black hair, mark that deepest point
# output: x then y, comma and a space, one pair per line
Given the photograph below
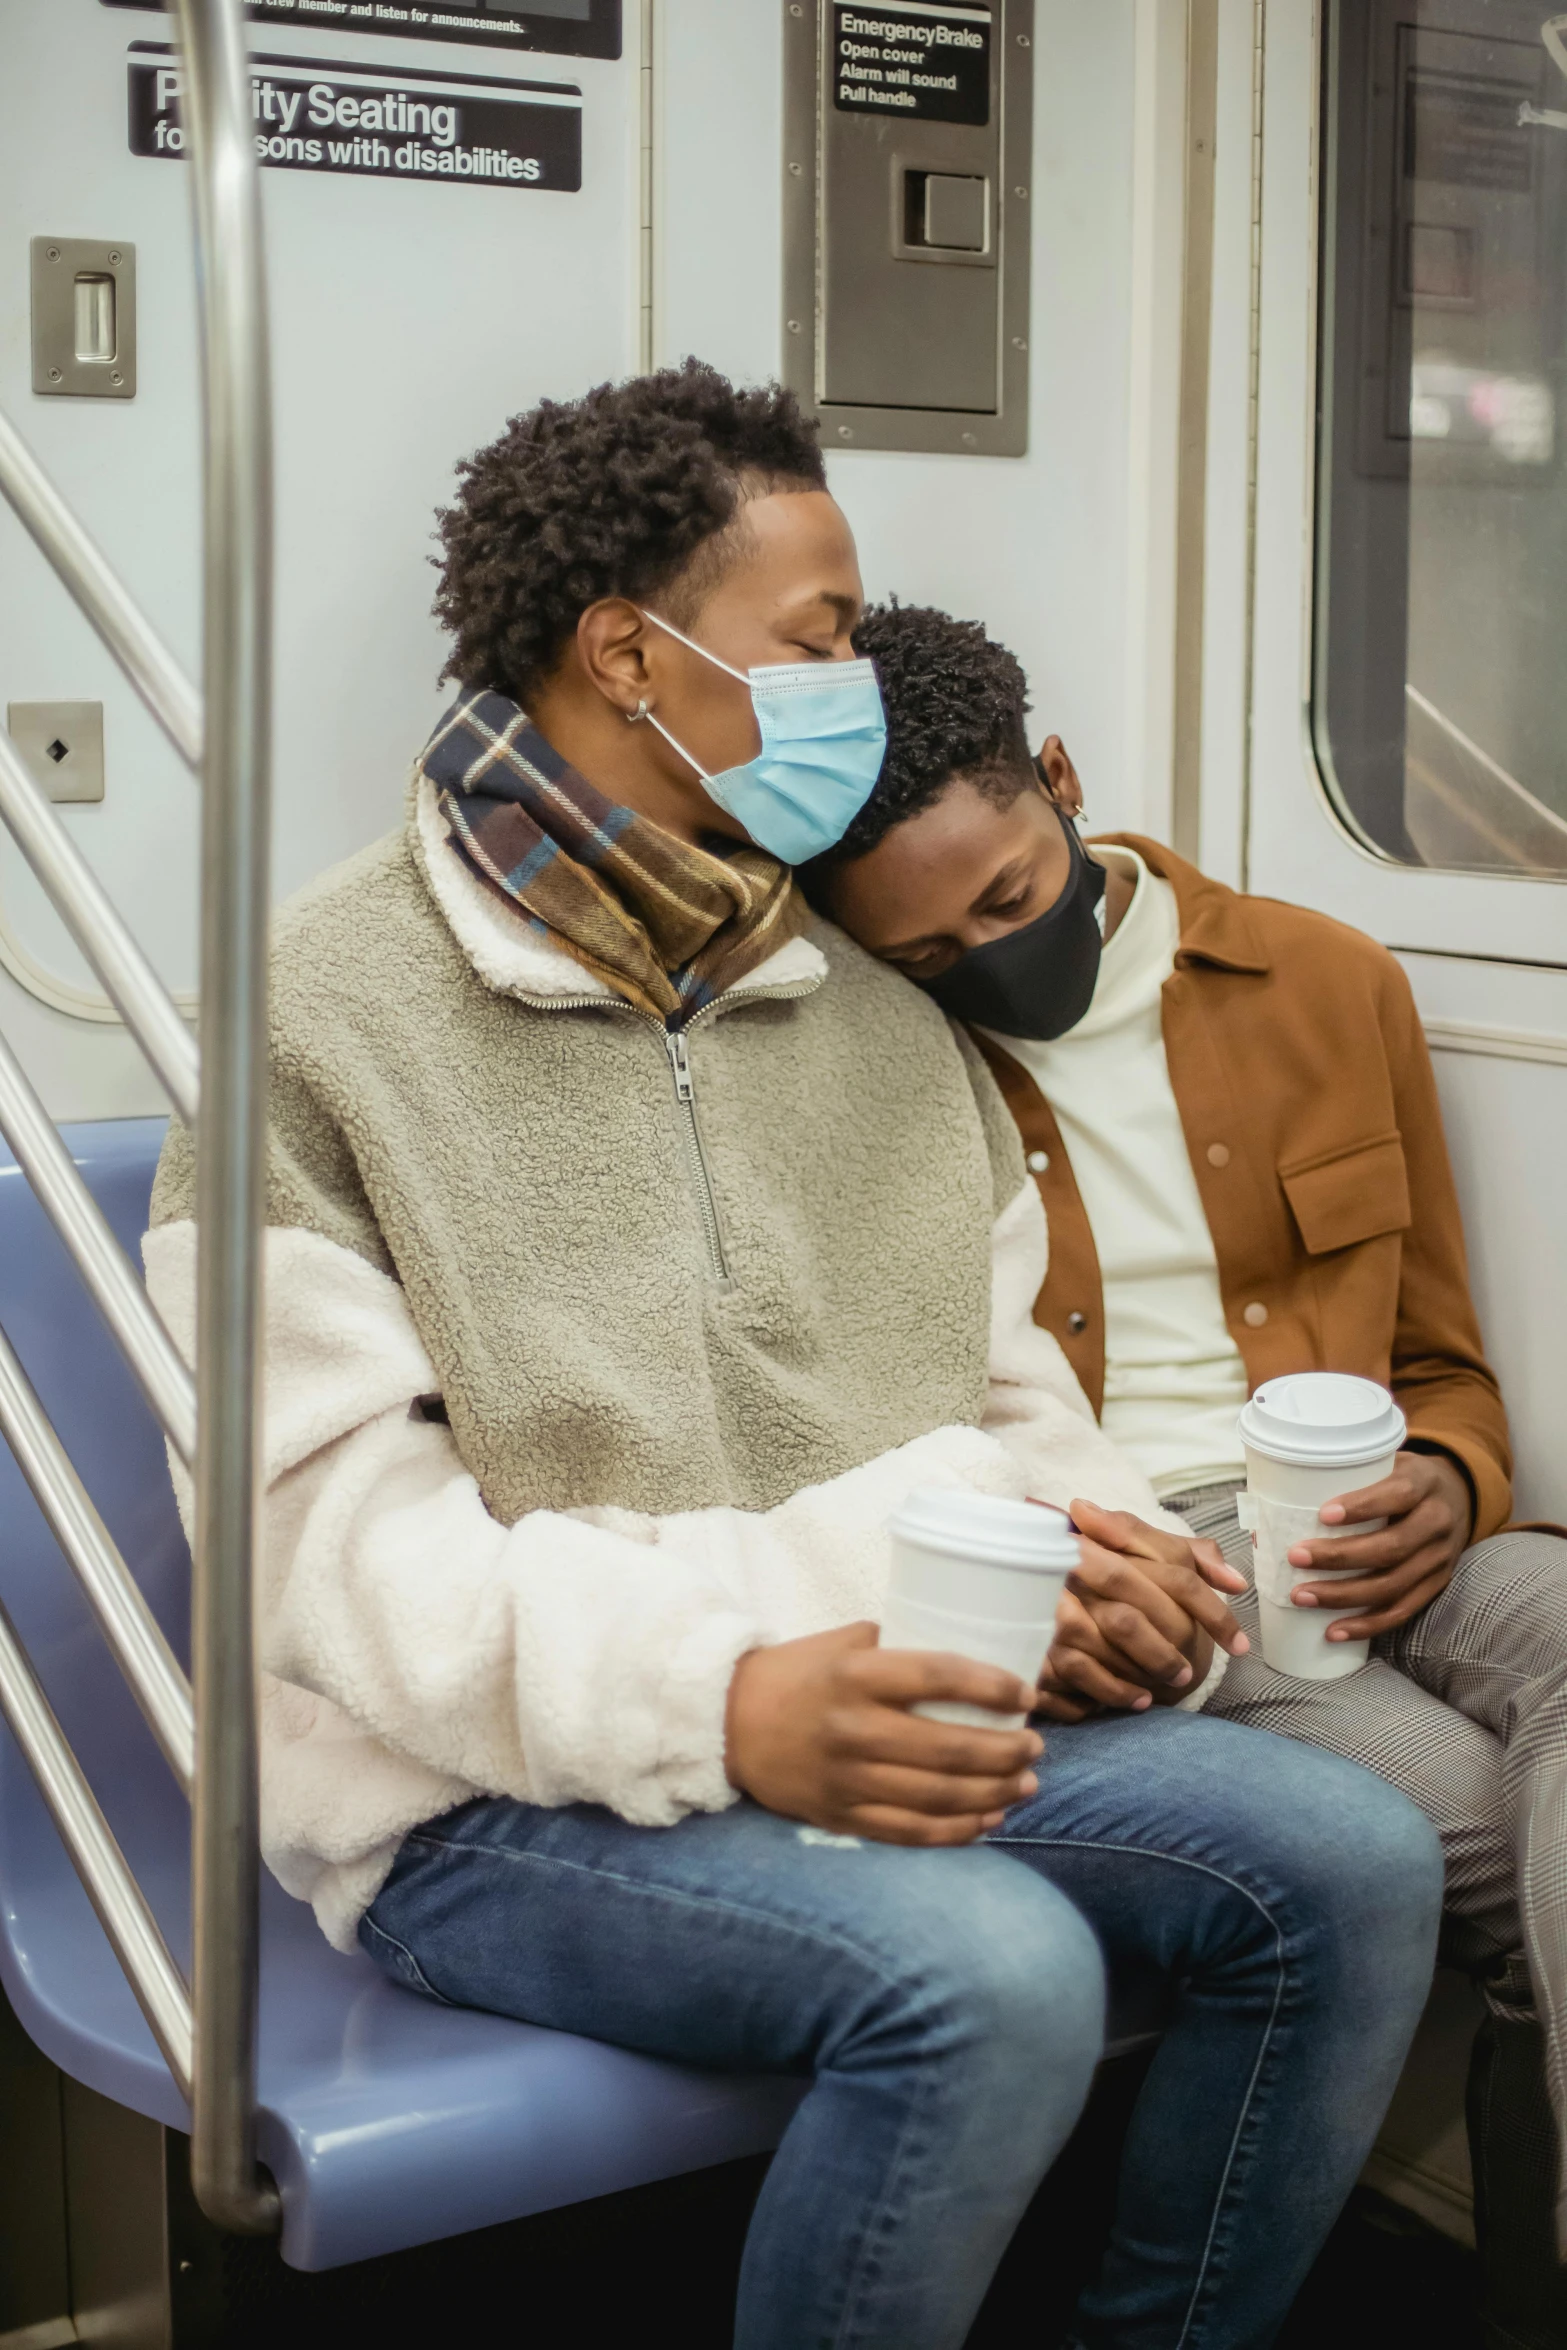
617, 493
956, 703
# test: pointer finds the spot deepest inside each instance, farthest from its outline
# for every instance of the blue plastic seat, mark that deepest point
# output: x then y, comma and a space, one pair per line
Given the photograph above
386, 2121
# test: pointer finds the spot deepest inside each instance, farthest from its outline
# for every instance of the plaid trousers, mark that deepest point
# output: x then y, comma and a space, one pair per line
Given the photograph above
1465, 1710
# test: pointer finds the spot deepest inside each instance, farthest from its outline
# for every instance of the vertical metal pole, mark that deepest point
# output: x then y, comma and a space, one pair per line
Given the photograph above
236, 685
1259, 55
646, 338
1191, 494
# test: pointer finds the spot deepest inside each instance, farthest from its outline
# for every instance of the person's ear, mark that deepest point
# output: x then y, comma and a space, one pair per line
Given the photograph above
612, 649
1059, 776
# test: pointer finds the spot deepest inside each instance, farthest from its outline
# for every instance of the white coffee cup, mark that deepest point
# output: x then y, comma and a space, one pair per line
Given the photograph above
1309, 1438
978, 1577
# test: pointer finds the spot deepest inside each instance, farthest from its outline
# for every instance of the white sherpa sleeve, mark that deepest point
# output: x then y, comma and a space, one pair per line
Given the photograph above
1037, 1407
556, 1660
580, 1656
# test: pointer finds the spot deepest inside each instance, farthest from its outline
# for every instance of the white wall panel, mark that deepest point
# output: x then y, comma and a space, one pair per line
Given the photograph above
1299, 848
410, 320
1500, 1032
1036, 547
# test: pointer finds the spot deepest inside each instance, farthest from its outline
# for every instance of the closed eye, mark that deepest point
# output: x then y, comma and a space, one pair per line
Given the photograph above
928, 965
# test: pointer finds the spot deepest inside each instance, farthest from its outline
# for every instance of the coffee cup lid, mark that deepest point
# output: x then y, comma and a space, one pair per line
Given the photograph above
1325, 1417
994, 1532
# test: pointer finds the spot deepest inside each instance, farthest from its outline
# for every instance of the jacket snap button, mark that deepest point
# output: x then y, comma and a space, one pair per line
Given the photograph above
1218, 1154
1255, 1316
1038, 1161
1077, 1324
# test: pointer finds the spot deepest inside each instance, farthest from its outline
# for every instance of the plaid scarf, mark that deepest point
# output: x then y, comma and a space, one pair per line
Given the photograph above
669, 927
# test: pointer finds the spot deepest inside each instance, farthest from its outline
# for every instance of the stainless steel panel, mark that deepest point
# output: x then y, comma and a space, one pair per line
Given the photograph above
84, 319
908, 134
118, 2223
35, 2289
62, 743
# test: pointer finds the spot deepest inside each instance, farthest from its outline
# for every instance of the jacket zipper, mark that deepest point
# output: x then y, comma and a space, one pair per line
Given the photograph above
678, 1054
701, 1175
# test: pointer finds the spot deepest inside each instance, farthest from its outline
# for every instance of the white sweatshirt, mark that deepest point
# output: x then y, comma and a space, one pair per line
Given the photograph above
1174, 1377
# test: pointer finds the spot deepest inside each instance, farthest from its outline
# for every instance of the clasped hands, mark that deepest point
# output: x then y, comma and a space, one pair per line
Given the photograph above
820, 1730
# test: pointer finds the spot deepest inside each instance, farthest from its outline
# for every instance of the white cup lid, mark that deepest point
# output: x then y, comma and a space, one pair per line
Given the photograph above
994, 1532
1322, 1417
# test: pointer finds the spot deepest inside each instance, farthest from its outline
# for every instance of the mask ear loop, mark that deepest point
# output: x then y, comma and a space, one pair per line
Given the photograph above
680, 637
643, 711
1076, 821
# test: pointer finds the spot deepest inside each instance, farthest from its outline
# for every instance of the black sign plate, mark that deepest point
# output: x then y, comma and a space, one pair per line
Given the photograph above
379, 122
926, 63
561, 28
1466, 130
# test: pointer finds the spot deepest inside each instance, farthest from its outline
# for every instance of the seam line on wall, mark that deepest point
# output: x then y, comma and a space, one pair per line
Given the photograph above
1500, 1044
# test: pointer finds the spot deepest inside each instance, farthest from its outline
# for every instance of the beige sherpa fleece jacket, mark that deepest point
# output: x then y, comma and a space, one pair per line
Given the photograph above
691, 1352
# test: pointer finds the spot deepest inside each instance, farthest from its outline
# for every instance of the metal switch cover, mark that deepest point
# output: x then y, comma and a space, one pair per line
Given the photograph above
956, 212
84, 319
62, 746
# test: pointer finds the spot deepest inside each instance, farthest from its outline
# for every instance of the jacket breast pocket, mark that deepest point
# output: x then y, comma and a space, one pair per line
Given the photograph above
1354, 1193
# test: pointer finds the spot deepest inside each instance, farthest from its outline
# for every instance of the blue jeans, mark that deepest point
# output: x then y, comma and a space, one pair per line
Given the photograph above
948, 2009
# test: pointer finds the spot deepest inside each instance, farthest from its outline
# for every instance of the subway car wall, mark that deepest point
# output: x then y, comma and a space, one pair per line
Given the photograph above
412, 311
1273, 515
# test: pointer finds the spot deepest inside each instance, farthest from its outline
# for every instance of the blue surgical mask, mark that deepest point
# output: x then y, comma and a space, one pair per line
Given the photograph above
824, 736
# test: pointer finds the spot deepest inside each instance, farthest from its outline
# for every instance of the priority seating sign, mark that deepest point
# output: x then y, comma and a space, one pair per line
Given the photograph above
386, 122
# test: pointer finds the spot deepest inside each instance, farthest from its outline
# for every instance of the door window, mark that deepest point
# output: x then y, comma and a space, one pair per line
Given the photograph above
1441, 640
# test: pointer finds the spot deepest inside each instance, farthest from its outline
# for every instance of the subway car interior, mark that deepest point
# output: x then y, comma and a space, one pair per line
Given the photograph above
1211, 354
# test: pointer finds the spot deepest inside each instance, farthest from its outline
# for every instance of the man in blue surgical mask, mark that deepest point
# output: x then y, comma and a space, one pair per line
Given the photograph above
637, 1245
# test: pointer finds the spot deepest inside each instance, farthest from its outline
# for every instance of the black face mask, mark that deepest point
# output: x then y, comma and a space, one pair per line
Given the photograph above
1039, 981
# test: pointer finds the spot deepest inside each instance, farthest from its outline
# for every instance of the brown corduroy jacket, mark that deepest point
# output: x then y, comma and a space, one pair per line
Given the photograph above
1305, 1089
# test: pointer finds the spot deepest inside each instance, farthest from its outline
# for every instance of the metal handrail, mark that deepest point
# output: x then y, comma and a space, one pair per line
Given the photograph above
121, 1905
124, 1304
101, 595
231, 1138
116, 1599
85, 907
208, 2039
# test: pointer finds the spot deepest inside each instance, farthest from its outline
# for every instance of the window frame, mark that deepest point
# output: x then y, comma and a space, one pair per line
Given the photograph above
1297, 843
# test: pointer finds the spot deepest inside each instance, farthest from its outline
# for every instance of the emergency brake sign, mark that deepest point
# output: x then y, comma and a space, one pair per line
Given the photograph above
386, 122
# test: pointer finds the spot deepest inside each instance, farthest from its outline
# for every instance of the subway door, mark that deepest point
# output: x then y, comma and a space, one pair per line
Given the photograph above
453, 231
1409, 716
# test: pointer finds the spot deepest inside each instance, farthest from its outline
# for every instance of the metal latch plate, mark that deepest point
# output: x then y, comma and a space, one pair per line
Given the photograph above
84, 319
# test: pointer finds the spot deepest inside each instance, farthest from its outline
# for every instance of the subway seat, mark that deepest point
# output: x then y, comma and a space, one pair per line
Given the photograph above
386, 2120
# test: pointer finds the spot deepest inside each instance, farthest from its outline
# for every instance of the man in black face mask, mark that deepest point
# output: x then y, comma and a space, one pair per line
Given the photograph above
1228, 1106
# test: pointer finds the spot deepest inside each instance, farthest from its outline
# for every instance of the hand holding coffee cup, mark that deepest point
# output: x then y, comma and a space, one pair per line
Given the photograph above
977, 1577
824, 1730
1396, 1544
1308, 1439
